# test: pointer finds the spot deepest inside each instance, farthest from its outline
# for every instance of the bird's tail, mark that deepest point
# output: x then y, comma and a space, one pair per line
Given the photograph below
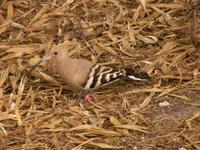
139, 76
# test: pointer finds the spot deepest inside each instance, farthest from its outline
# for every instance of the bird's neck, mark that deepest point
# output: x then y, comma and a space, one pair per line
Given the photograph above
66, 68
65, 64
64, 61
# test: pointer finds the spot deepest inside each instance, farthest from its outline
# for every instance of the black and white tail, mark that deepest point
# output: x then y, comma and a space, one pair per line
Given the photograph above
100, 75
140, 76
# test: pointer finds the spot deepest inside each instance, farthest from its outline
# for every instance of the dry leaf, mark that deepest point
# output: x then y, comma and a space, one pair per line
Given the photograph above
133, 127
100, 145
21, 50
10, 10
95, 130
167, 91
114, 121
53, 123
48, 78
3, 76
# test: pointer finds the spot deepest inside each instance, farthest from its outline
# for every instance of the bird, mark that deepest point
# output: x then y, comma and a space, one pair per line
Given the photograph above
82, 75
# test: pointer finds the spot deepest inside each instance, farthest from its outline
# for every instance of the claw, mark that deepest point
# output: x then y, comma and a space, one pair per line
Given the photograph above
87, 98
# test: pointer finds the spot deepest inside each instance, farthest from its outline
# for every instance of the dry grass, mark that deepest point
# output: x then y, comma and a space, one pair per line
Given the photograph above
36, 112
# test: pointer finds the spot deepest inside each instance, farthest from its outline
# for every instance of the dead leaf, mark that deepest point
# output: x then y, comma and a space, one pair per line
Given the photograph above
95, 130
133, 127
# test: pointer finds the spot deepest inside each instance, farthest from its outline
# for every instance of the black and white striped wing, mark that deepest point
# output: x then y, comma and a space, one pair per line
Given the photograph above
100, 75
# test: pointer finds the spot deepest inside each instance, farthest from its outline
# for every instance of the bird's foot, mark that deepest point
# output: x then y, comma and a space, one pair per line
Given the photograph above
87, 98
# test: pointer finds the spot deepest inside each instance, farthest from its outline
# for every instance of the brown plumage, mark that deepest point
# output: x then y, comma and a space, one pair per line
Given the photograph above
83, 75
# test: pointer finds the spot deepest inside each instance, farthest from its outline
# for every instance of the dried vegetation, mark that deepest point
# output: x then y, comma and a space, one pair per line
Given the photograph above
160, 37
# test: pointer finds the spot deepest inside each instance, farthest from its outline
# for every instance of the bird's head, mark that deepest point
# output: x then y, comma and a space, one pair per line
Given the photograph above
57, 52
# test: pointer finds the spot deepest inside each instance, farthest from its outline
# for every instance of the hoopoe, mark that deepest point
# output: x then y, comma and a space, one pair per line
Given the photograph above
81, 74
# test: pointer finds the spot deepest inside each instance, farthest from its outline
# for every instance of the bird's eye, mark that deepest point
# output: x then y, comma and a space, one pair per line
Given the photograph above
55, 53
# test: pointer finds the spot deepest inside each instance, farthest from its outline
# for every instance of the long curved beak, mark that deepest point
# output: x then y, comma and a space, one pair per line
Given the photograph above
45, 58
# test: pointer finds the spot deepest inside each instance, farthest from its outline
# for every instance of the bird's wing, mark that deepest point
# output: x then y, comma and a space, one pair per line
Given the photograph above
101, 75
